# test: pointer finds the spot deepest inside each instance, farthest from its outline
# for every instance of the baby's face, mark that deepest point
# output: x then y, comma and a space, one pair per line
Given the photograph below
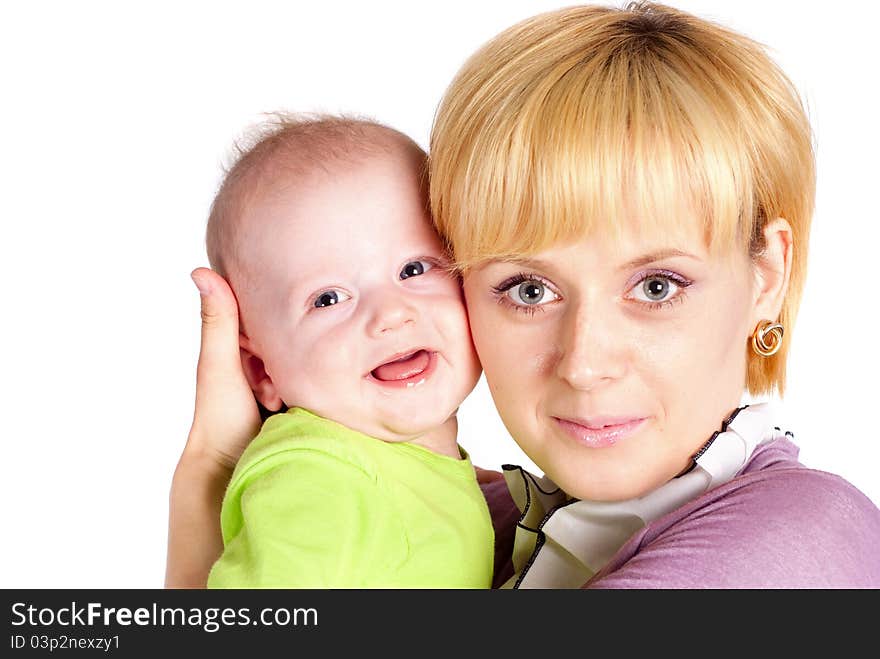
349, 306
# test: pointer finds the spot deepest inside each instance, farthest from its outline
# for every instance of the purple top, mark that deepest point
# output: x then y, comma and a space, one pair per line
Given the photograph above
777, 524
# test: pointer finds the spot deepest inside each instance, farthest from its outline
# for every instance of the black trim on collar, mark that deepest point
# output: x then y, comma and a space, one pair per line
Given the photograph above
705, 447
541, 537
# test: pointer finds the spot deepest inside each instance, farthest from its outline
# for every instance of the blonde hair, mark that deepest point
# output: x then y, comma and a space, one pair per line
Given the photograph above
281, 150
574, 118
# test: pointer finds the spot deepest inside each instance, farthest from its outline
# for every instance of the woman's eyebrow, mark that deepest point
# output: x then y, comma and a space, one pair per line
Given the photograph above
659, 255
532, 264
639, 261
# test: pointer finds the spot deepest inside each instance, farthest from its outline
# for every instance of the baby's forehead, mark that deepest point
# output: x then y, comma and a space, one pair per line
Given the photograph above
368, 208
288, 182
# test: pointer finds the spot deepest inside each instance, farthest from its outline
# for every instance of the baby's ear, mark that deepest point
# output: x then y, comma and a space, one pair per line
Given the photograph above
255, 372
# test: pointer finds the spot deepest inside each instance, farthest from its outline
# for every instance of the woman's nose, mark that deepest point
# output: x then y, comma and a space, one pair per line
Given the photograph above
590, 352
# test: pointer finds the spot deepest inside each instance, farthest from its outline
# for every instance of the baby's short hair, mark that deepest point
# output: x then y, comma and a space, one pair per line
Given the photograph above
284, 148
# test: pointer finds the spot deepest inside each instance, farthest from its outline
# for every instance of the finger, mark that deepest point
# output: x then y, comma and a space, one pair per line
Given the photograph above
226, 416
487, 475
219, 352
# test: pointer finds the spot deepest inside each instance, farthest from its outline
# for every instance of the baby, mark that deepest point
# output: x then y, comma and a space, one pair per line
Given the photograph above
352, 322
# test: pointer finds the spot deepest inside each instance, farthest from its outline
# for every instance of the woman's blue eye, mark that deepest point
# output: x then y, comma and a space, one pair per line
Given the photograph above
414, 269
530, 293
329, 298
657, 288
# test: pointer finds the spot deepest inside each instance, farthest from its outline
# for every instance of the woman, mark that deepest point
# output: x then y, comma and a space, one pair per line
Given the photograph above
627, 194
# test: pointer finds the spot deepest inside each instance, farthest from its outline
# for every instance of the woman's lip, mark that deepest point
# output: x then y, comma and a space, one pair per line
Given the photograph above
600, 433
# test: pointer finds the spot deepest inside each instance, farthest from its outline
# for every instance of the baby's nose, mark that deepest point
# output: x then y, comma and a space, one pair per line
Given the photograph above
390, 314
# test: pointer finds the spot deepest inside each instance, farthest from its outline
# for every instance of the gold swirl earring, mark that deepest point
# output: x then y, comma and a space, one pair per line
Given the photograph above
767, 338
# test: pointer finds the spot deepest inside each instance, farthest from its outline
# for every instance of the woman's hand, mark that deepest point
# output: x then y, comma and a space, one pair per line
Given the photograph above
226, 418
486, 476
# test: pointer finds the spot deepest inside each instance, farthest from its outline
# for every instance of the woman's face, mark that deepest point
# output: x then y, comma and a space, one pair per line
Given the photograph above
612, 362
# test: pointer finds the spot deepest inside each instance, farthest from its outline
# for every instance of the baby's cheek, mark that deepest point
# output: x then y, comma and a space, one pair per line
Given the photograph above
445, 306
446, 286
310, 382
328, 358
302, 367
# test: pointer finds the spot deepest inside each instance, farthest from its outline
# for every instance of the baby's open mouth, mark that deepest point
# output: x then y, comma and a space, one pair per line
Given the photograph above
402, 368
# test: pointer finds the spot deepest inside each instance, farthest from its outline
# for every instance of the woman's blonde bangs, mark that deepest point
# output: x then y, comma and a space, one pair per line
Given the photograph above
585, 155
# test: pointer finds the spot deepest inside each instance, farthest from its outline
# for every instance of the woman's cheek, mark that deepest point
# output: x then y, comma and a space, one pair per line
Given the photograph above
515, 373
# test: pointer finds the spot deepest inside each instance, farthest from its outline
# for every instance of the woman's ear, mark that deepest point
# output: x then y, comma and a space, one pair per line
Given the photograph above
258, 379
773, 270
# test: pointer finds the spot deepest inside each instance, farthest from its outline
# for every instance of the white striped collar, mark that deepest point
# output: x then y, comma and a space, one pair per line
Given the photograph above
561, 543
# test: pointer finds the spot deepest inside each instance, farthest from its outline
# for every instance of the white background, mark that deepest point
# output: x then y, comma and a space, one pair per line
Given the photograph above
116, 119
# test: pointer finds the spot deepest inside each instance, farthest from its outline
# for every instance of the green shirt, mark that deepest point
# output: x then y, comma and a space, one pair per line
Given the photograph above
313, 504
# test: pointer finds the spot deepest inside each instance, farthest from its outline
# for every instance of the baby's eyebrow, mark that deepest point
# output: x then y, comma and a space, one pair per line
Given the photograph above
304, 286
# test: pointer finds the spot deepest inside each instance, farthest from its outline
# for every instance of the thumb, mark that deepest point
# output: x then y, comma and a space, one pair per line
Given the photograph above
219, 352
226, 416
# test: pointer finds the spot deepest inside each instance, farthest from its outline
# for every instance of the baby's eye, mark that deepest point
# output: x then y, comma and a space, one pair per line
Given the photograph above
331, 297
415, 268
530, 292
